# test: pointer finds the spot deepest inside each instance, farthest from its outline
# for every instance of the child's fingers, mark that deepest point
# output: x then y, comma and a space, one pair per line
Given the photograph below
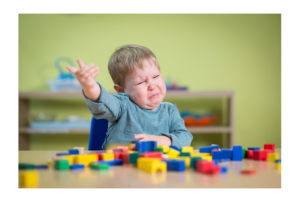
84, 70
89, 73
73, 70
80, 63
139, 136
95, 73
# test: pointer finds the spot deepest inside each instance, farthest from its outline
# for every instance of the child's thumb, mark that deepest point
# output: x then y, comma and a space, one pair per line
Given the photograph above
73, 70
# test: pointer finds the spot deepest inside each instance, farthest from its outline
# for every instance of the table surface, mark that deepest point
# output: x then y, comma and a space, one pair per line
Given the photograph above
128, 176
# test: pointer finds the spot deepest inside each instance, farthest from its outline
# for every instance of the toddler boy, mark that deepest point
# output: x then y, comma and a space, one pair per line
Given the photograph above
137, 111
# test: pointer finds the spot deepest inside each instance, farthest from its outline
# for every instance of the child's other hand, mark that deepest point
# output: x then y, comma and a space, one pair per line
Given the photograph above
85, 74
161, 140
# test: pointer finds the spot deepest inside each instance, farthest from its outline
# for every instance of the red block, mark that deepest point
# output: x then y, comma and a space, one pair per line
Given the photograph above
260, 155
117, 154
270, 147
249, 154
151, 155
125, 157
124, 148
204, 166
214, 170
248, 172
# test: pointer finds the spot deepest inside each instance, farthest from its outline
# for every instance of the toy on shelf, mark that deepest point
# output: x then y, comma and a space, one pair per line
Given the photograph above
65, 81
172, 84
192, 119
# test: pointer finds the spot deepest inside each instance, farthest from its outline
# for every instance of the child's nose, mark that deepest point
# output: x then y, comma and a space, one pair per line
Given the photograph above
151, 86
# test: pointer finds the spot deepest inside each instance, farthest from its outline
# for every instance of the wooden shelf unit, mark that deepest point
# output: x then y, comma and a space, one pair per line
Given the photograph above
25, 130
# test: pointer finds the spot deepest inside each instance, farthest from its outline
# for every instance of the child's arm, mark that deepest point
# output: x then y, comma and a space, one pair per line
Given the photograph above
161, 140
85, 76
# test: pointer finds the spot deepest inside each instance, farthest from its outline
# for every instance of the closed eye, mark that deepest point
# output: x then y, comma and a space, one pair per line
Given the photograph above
156, 76
140, 83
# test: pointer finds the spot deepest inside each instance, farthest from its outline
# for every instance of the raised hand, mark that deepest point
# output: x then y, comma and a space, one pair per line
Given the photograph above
85, 74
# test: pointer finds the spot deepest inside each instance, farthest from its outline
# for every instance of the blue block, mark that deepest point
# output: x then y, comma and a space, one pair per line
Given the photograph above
217, 155
175, 165
215, 162
278, 161
227, 153
208, 149
253, 148
62, 154
223, 170
237, 153
41, 166
76, 166
224, 160
115, 162
73, 151
145, 146
174, 147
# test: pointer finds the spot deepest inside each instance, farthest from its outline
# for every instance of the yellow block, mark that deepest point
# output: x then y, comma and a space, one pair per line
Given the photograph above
29, 179
107, 156
109, 152
154, 167
272, 157
278, 165
70, 158
143, 162
187, 149
85, 159
165, 148
187, 160
49, 163
208, 158
173, 153
199, 154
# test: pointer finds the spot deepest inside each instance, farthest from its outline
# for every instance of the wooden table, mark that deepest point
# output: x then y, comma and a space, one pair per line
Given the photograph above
128, 176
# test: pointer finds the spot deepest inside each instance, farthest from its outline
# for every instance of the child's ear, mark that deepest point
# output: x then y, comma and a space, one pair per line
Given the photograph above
119, 88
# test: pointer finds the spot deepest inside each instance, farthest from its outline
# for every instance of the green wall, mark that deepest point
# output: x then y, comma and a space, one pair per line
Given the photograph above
239, 52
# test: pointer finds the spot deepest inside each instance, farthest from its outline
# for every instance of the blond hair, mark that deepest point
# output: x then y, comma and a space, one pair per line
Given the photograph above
126, 59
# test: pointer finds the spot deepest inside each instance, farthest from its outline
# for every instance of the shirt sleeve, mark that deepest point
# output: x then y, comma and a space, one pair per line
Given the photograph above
109, 107
180, 136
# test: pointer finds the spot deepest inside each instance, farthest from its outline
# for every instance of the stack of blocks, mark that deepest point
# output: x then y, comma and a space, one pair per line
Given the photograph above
150, 157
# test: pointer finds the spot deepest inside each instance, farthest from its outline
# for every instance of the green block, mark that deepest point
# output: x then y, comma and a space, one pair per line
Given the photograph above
62, 164
133, 158
180, 150
244, 153
158, 149
193, 161
99, 166
26, 166
185, 154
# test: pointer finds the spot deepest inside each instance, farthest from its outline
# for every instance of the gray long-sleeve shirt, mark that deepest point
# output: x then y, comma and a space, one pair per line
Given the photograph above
126, 118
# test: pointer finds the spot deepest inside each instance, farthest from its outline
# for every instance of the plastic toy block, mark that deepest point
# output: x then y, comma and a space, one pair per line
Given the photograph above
98, 166
237, 153
187, 160
117, 154
224, 160
81, 149
158, 149
145, 146
175, 165
174, 147
41, 166
269, 147
227, 153
117, 150
214, 170
259, 155
249, 154
278, 165
124, 148
187, 149
223, 170
107, 156
165, 156
70, 158
165, 148
193, 161
278, 161
215, 162
116, 162
208, 149
253, 148
157, 166
62, 154
109, 151
73, 151
49, 163
143, 162
173, 153
214, 150
248, 172
272, 157
76, 166
152, 155
200, 154
85, 159
62, 164
244, 153
217, 155
125, 157
185, 154
99, 155
133, 158
29, 179
207, 158
204, 166
26, 166
268, 152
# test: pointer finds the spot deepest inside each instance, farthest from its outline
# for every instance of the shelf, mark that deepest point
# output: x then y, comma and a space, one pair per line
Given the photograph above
24, 130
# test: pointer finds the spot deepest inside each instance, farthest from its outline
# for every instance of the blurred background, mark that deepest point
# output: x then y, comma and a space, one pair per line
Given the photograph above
239, 53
